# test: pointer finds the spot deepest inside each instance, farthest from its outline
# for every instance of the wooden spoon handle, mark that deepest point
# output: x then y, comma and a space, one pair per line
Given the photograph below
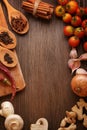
9, 7
2, 21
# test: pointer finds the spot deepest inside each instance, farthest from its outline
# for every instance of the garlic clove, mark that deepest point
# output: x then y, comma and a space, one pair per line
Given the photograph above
14, 122
73, 53
83, 57
81, 71
74, 64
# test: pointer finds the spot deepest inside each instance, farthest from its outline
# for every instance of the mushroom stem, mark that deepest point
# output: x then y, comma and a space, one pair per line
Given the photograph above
14, 122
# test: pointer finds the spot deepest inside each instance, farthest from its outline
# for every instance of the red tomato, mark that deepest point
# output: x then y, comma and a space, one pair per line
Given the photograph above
80, 11
68, 30
85, 46
62, 2
76, 21
71, 7
85, 30
84, 23
67, 18
79, 32
59, 11
85, 11
74, 41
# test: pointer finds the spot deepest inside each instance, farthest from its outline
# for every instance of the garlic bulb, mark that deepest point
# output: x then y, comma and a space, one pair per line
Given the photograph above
83, 57
81, 71
14, 122
73, 53
6, 109
74, 64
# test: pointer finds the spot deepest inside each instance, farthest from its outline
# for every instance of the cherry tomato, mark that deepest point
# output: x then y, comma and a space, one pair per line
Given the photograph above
84, 23
68, 30
80, 11
71, 7
79, 32
67, 18
74, 41
59, 11
85, 30
85, 10
76, 21
62, 2
85, 46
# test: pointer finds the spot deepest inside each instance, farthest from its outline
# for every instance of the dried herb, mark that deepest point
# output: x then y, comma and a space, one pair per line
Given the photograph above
5, 38
8, 74
8, 58
18, 24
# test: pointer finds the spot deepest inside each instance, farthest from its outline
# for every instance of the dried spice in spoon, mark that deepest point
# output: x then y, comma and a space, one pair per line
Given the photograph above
7, 38
7, 57
17, 20
18, 23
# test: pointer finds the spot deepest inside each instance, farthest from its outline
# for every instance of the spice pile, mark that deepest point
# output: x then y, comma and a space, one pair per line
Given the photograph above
18, 24
43, 10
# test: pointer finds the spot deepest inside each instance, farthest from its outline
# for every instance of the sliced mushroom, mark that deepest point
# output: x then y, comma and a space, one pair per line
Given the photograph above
41, 124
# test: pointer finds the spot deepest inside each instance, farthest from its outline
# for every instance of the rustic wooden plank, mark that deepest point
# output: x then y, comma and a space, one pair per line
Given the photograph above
43, 54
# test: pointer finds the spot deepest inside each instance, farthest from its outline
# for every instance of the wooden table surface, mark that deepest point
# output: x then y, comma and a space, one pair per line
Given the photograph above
43, 54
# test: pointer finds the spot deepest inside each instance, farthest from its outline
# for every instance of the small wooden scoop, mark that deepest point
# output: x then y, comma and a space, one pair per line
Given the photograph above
3, 28
17, 20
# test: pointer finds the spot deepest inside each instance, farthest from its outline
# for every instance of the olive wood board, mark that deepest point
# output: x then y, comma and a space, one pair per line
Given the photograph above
16, 72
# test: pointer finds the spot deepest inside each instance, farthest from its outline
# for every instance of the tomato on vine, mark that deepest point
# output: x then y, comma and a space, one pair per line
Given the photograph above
62, 2
59, 11
84, 23
76, 21
71, 7
67, 18
80, 11
85, 30
79, 32
68, 30
74, 41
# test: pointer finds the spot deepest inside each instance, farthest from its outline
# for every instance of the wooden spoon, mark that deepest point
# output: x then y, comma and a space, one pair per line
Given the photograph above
17, 20
7, 38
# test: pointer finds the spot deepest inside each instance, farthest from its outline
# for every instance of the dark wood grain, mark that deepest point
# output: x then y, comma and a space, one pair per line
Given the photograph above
43, 54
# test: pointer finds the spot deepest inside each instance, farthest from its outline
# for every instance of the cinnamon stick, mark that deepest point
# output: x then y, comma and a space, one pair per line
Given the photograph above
44, 10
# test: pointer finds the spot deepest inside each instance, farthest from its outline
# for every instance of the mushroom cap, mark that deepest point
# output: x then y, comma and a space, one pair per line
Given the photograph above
14, 122
7, 108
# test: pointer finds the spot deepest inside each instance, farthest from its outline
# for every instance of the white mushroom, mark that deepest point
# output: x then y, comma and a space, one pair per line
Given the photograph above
14, 122
6, 109
41, 124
